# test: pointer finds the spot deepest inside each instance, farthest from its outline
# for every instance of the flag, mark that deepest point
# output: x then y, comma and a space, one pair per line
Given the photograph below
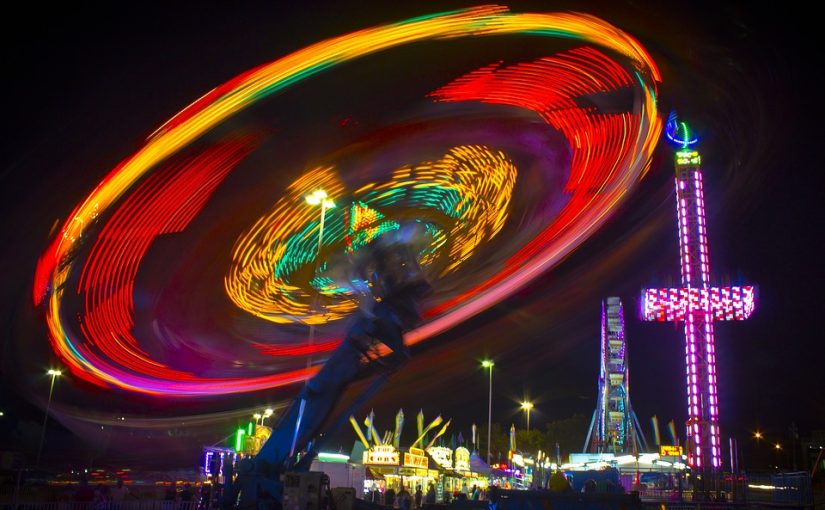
453, 444
420, 421
435, 423
512, 438
440, 432
474, 436
369, 422
655, 421
358, 432
399, 426
671, 427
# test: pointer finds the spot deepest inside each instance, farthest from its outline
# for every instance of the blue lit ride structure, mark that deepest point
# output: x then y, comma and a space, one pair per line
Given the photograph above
614, 427
397, 284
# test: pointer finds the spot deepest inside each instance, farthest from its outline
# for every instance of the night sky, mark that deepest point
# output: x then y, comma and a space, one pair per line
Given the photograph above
87, 85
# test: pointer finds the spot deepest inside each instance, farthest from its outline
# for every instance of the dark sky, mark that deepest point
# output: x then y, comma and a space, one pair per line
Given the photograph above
85, 85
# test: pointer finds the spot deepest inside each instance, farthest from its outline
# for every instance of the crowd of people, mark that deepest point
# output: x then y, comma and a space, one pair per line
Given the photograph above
404, 500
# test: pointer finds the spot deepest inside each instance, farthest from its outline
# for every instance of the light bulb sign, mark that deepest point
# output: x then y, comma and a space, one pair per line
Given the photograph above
382, 454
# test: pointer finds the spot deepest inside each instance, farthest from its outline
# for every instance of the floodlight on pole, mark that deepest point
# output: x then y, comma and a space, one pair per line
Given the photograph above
317, 197
53, 373
488, 364
527, 406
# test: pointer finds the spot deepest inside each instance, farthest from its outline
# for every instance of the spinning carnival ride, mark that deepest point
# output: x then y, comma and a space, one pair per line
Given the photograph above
498, 206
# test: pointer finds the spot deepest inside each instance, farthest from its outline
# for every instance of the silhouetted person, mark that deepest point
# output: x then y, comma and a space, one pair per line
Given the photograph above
429, 498
404, 499
389, 497
559, 482
215, 468
464, 492
495, 496
418, 495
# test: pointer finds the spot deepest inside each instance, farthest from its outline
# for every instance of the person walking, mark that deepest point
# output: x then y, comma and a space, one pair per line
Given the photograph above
430, 496
404, 499
389, 497
418, 495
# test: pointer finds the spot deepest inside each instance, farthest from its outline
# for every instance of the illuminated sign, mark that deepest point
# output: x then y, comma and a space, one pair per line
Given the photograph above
442, 455
415, 458
670, 451
384, 454
688, 158
462, 459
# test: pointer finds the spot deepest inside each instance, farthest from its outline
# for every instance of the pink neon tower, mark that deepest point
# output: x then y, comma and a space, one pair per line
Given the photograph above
698, 305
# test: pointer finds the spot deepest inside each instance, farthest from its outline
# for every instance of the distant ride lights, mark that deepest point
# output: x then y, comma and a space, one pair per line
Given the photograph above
87, 281
698, 305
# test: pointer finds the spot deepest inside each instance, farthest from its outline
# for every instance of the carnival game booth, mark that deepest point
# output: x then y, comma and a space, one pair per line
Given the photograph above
390, 468
455, 472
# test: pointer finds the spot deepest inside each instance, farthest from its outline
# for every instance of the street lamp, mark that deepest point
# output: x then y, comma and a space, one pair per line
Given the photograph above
318, 197
267, 413
527, 406
53, 374
257, 417
757, 435
488, 364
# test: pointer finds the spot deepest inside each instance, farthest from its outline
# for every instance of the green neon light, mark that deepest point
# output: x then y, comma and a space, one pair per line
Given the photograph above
685, 133
333, 457
239, 440
249, 429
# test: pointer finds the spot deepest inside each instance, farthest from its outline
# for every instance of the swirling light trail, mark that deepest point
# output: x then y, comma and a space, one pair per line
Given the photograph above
468, 191
610, 153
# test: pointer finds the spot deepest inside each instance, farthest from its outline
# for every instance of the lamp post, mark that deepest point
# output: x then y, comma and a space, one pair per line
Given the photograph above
257, 417
758, 436
777, 448
267, 413
54, 374
488, 364
527, 406
318, 197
